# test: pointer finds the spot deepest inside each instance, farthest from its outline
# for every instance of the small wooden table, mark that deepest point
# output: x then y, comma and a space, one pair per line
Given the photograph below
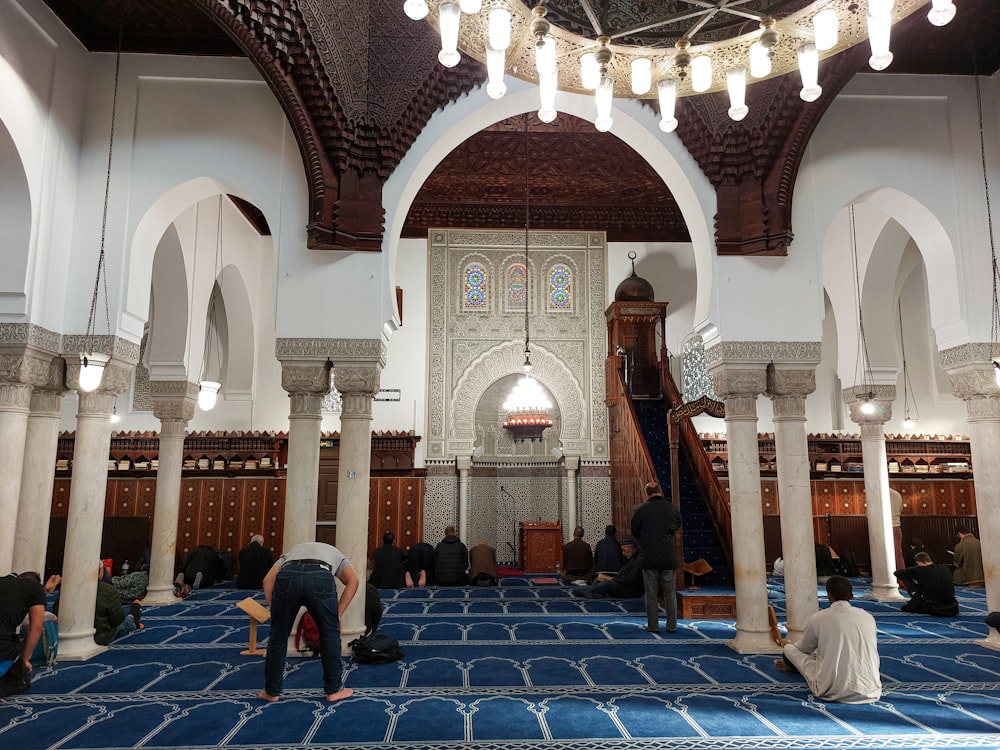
541, 546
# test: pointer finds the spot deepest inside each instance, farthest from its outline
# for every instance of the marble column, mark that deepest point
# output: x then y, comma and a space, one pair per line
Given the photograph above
738, 383
15, 400
85, 523
464, 463
788, 387
358, 382
173, 404
306, 384
973, 381
880, 545
37, 478
572, 464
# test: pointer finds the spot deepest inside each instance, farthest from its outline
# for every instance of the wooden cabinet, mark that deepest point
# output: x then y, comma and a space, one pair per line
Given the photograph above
540, 546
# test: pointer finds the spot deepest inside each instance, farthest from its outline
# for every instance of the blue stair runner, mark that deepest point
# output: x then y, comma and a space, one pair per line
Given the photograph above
700, 537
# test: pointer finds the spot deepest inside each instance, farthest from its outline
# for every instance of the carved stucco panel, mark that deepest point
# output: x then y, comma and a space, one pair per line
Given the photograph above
764, 351
173, 400
314, 379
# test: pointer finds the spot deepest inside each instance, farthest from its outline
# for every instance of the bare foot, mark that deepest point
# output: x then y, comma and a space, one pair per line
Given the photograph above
780, 664
339, 695
266, 696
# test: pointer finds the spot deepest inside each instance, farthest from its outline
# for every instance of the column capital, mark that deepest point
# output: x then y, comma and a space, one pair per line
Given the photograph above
310, 377
464, 463
734, 381
25, 364
572, 463
46, 403
791, 380
115, 380
173, 400
15, 397
881, 396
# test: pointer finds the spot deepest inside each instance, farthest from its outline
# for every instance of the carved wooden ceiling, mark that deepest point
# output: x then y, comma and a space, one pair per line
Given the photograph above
359, 81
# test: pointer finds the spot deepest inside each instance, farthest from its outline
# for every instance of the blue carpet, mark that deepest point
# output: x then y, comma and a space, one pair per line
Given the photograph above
520, 665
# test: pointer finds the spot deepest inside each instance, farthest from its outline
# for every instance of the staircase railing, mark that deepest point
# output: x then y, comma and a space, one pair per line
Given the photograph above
683, 432
631, 464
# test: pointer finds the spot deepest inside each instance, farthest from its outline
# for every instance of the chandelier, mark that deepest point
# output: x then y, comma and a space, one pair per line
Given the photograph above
677, 48
527, 407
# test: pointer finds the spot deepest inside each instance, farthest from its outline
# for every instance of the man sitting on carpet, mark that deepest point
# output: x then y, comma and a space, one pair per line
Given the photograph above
255, 560
20, 596
838, 651
451, 560
608, 552
111, 619
483, 565
577, 559
627, 583
387, 564
932, 592
303, 577
419, 566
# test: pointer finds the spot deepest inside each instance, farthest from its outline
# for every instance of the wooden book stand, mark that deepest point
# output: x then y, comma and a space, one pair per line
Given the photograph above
258, 614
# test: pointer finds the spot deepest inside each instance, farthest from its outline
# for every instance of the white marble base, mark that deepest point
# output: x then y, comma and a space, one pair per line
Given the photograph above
886, 594
754, 643
990, 642
80, 648
159, 597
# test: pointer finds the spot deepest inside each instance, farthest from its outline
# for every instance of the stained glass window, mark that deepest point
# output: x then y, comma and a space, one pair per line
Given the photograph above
475, 287
517, 286
560, 287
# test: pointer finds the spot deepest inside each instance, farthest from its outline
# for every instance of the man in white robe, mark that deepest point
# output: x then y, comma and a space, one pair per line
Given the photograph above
838, 651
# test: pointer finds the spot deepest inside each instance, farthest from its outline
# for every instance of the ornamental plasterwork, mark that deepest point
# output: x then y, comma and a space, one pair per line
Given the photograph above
30, 366
977, 352
338, 350
29, 333
119, 348
304, 378
173, 400
793, 382
735, 381
468, 350
974, 380
764, 351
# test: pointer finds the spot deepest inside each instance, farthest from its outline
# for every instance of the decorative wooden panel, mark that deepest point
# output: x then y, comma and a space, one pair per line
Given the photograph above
769, 497
396, 505
60, 498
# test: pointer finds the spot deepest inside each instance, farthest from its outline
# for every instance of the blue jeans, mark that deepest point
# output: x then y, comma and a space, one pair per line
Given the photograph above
654, 580
309, 585
126, 626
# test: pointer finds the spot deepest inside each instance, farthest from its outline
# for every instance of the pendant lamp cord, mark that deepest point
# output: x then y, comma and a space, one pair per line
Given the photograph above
102, 275
907, 387
995, 317
864, 363
527, 226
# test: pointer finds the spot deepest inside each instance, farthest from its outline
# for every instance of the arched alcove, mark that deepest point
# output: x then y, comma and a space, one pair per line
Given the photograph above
15, 227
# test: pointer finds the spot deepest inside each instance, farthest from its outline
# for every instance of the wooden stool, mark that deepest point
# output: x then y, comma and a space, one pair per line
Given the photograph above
258, 614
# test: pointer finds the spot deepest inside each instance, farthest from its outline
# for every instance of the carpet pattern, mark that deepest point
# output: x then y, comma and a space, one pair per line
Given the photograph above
519, 665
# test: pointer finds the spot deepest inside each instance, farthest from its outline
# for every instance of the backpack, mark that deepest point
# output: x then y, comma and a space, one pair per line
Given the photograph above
375, 649
307, 635
47, 648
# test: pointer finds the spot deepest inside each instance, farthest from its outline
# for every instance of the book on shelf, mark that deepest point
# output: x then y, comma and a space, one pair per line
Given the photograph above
251, 463
894, 467
265, 462
190, 463
112, 464
124, 464
236, 463
218, 464
62, 464
154, 464
203, 463
142, 465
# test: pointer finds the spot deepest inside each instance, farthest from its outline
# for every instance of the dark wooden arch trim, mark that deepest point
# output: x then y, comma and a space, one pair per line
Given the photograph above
703, 405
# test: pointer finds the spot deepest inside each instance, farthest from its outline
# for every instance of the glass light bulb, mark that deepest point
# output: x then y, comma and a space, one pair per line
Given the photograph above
547, 85
92, 370
760, 61
416, 9
495, 59
736, 82
879, 31
602, 98
448, 19
667, 90
867, 407
545, 56
809, 71
208, 393
825, 29
996, 369
499, 28
909, 423
941, 13
115, 419
590, 71
642, 75
470, 6
701, 73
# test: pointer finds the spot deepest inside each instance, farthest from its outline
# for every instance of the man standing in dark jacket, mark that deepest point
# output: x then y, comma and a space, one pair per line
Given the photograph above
654, 526
451, 560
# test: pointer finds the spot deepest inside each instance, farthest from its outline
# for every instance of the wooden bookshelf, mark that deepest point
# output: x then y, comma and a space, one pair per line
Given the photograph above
836, 455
